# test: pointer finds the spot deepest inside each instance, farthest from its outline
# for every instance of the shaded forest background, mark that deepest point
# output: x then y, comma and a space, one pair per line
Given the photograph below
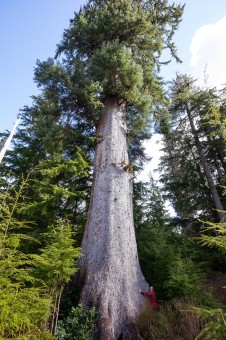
46, 179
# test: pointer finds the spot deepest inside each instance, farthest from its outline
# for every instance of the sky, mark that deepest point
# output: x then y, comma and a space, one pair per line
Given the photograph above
201, 41
30, 30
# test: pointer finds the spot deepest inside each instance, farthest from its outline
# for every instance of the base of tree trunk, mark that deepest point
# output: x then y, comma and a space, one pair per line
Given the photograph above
114, 323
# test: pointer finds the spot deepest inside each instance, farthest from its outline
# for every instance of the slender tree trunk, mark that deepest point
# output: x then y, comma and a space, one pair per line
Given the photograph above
220, 172
54, 314
56, 311
212, 186
110, 269
8, 141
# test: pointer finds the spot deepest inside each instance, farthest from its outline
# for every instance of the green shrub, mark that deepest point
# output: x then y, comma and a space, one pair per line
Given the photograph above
31, 284
186, 280
214, 318
79, 324
215, 323
24, 305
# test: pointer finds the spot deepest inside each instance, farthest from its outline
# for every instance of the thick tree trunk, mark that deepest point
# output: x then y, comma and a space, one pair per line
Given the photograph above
110, 269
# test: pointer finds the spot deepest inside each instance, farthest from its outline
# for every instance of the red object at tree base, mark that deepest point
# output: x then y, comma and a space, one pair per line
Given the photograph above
152, 298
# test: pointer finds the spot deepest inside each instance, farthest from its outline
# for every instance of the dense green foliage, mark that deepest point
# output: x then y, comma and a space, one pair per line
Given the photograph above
79, 324
214, 318
117, 45
24, 304
56, 264
194, 144
175, 264
31, 283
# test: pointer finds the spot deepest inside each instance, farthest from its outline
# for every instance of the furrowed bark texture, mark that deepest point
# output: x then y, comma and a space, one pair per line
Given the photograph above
110, 268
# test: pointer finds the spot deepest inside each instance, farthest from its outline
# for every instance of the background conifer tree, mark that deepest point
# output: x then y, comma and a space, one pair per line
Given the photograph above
193, 163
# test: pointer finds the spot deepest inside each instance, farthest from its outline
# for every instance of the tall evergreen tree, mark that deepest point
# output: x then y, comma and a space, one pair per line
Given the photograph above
194, 147
115, 46
56, 153
187, 101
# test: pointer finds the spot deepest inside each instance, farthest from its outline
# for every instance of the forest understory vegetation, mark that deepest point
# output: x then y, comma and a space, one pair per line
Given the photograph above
70, 202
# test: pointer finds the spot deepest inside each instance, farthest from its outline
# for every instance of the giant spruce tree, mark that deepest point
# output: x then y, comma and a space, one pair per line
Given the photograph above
105, 76
112, 50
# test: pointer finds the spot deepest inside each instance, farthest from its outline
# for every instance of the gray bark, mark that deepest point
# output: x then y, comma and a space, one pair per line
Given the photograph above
110, 269
212, 186
219, 170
